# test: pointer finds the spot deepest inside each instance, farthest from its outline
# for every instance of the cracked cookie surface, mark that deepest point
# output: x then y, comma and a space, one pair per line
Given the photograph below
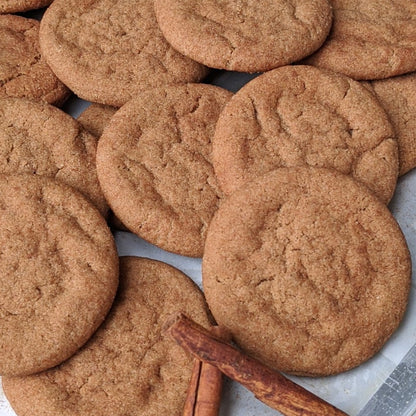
397, 95
307, 269
301, 115
370, 39
23, 71
245, 35
107, 51
154, 165
40, 139
59, 272
129, 367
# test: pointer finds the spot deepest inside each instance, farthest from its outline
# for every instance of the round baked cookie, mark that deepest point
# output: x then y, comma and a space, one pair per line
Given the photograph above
96, 117
301, 115
129, 367
14, 6
397, 95
59, 272
38, 138
107, 51
247, 36
154, 165
370, 39
307, 269
23, 71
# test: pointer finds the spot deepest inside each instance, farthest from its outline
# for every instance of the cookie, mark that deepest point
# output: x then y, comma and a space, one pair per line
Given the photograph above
370, 39
248, 36
128, 367
23, 71
14, 6
307, 269
154, 165
96, 117
41, 139
398, 97
107, 51
300, 115
59, 272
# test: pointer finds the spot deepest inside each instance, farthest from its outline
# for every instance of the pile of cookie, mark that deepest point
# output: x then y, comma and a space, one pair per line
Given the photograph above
282, 189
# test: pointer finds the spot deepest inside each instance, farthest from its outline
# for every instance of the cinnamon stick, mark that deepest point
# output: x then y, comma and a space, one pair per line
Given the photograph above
269, 386
204, 392
192, 393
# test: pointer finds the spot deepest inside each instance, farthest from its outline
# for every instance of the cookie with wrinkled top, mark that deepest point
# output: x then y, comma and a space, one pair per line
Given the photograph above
307, 269
14, 6
58, 272
370, 39
154, 165
397, 95
301, 115
247, 36
38, 138
23, 71
107, 51
129, 367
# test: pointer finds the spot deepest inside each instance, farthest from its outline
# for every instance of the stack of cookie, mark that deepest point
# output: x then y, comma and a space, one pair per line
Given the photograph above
281, 188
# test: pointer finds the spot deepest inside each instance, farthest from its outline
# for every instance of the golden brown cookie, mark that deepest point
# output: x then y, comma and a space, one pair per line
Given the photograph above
23, 71
106, 51
59, 272
154, 165
128, 367
247, 36
38, 138
14, 6
307, 269
96, 117
397, 95
370, 39
301, 115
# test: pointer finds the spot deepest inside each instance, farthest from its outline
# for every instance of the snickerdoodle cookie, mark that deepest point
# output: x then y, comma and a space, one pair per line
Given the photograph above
307, 269
129, 367
370, 39
301, 115
58, 272
247, 36
38, 138
23, 71
108, 50
154, 165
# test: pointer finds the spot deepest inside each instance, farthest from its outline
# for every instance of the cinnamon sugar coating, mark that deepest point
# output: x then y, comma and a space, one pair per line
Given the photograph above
59, 272
107, 51
307, 269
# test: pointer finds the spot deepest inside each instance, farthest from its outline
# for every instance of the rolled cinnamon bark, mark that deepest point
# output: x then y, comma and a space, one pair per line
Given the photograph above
192, 393
204, 392
267, 385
